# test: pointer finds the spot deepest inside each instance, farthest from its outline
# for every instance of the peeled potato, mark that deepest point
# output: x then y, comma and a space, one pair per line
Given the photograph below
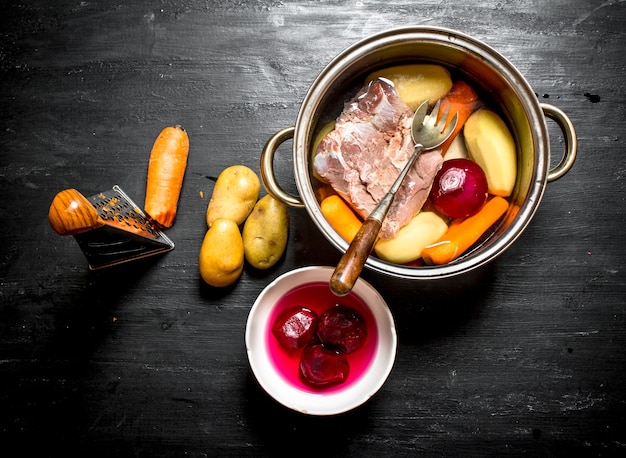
325, 130
457, 149
491, 145
417, 82
425, 228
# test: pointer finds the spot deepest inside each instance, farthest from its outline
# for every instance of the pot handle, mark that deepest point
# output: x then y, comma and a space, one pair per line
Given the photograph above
267, 168
571, 143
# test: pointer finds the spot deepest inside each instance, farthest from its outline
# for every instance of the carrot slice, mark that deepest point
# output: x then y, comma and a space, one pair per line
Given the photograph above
341, 217
166, 169
324, 191
461, 235
462, 100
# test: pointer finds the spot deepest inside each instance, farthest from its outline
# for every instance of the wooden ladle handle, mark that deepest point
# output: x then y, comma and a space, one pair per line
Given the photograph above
351, 263
71, 213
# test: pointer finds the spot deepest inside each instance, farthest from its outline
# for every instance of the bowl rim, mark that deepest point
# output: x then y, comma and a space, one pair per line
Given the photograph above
338, 401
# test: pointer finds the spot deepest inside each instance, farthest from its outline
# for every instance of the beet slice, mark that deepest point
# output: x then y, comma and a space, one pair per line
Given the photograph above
321, 366
295, 327
342, 328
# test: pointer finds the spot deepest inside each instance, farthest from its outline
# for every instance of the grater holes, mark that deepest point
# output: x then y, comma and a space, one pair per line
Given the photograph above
117, 209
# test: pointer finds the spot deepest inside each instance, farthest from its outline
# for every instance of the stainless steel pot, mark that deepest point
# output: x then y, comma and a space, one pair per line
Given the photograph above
476, 61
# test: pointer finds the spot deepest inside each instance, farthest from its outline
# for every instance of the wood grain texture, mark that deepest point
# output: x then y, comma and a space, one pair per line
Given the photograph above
525, 357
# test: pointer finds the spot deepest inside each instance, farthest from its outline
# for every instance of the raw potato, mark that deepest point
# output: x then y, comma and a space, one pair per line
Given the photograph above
265, 233
417, 82
316, 143
490, 145
325, 130
457, 149
221, 254
425, 228
235, 193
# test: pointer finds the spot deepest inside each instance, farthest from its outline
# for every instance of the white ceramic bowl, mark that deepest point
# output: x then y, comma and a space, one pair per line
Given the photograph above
333, 400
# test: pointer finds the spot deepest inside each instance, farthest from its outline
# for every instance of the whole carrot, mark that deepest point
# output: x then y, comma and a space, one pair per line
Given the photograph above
463, 234
341, 217
462, 100
166, 169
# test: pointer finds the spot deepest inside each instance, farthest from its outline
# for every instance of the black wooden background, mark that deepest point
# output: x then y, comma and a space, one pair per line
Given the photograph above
526, 358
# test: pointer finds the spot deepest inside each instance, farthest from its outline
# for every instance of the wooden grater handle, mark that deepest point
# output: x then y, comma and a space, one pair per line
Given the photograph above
71, 213
351, 263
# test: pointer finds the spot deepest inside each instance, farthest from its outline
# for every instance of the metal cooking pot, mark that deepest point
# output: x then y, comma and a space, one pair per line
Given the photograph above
481, 65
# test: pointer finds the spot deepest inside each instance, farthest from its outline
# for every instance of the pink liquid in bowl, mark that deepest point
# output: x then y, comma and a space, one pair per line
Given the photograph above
318, 297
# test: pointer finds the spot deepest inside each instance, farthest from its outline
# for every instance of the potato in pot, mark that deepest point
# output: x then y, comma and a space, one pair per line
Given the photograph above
417, 82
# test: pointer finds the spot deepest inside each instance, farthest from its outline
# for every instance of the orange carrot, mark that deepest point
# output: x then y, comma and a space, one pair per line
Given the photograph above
462, 100
463, 234
324, 191
341, 217
168, 161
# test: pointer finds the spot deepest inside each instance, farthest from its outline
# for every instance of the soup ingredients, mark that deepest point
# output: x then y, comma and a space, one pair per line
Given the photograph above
342, 328
417, 82
425, 228
321, 134
295, 327
457, 149
166, 170
265, 233
234, 196
322, 338
463, 100
316, 142
320, 366
462, 234
366, 151
221, 254
341, 217
459, 189
491, 145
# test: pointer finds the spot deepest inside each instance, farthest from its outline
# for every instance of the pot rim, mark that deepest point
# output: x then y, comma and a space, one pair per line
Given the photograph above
465, 44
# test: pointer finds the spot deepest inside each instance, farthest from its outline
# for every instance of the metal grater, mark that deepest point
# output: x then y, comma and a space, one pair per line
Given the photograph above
127, 233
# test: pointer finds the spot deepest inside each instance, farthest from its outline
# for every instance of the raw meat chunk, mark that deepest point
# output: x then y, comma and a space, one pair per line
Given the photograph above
366, 151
